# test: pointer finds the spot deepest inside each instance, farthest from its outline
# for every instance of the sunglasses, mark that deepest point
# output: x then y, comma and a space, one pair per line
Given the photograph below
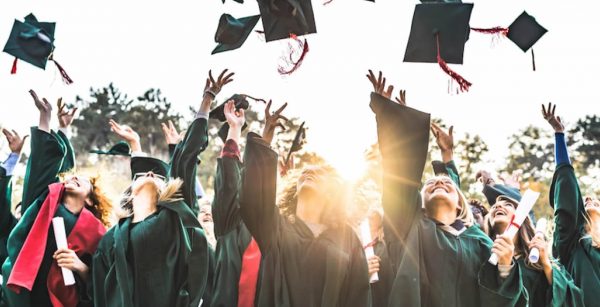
145, 174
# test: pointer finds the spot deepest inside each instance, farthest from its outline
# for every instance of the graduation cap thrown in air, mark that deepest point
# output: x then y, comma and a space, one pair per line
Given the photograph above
33, 42
119, 149
238, 1
438, 34
241, 102
298, 142
232, 33
281, 18
492, 192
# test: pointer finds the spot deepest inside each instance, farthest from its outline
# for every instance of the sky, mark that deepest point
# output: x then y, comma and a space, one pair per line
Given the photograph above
166, 44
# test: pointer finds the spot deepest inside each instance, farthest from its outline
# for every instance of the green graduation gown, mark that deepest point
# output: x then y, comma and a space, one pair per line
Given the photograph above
7, 219
164, 259
51, 155
433, 267
297, 268
380, 290
571, 245
232, 235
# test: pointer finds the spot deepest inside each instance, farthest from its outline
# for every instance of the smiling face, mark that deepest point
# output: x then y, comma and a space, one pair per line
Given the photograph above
502, 212
440, 189
311, 179
205, 214
78, 186
592, 206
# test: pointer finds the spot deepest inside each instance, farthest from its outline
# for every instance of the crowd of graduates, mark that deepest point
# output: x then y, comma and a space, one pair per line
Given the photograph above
281, 236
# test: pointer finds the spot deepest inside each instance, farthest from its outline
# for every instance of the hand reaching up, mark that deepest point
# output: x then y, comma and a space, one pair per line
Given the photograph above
15, 141
170, 132
65, 117
552, 119
235, 119
45, 109
127, 134
272, 121
379, 85
444, 140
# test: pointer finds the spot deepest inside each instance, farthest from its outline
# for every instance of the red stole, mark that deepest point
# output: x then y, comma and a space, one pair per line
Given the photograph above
249, 275
83, 239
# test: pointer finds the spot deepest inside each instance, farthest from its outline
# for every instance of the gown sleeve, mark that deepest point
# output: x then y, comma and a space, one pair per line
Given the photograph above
7, 219
563, 291
257, 197
184, 160
226, 206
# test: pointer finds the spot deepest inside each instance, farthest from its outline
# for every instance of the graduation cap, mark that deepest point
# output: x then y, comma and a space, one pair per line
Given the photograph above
149, 164
238, 1
438, 34
492, 192
232, 33
281, 18
33, 42
241, 102
298, 142
119, 149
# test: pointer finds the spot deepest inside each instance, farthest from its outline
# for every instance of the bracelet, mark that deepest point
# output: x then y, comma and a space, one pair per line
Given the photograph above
211, 93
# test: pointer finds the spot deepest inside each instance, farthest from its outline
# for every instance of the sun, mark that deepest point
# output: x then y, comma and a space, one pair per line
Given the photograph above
351, 168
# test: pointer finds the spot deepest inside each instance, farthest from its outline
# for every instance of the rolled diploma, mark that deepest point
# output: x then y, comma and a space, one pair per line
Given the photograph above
61, 242
540, 227
365, 235
522, 211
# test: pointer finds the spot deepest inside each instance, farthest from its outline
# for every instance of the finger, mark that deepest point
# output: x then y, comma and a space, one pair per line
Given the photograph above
220, 79
382, 85
543, 110
281, 108
226, 82
390, 90
212, 80
433, 131
558, 119
372, 77
284, 118
228, 78
553, 110
379, 79
172, 126
164, 128
450, 131
268, 109
73, 112
46, 103
15, 134
280, 125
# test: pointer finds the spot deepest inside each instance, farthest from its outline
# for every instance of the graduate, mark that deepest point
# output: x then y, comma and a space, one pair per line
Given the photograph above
439, 258
380, 262
310, 255
237, 255
157, 255
32, 271
576, 241
547, 282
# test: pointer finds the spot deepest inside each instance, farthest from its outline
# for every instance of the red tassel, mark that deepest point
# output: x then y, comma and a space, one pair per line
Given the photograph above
63, 73
494, 30
462, 82
295, 64
13, 70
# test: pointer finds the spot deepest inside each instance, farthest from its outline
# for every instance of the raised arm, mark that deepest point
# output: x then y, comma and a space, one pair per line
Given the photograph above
185, 158
226, 206
259, 184
565, 196
172, 137
403, 135
48, 152
445, 141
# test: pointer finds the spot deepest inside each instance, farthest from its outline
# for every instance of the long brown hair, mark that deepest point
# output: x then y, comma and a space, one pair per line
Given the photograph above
335, 213
101, 205
524, 237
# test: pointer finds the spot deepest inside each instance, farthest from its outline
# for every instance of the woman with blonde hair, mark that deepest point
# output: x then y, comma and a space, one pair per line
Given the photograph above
576, 241
32, 271
438, 257
310, 255
157, 255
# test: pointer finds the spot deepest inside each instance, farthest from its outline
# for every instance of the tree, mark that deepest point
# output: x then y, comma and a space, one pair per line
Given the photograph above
531, 151
469, 152
584, 139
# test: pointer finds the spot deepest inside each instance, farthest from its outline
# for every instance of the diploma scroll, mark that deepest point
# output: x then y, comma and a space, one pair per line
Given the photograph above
61, 242
365, 235
540, 227
522, 211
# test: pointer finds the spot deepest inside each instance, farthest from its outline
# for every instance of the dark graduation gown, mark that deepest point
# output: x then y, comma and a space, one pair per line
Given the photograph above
7, 219
433, 267
380, 290
162, 260
51, 155
571, 245
233, 238
297, 268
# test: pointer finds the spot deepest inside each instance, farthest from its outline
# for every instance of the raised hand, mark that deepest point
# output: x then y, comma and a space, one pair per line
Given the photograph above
552, 119
65, 117
401, 99
283, 167
213, 87
484, 177
272, 121
15, 142
45, 109
444, 140
170, 132
127, 134
512, 180
379, 85
235, 118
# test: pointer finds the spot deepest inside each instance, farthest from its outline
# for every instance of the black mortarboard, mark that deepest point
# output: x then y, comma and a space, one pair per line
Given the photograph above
447, 23
298, 142
232, 33
238, 1
240, 103
281, 18
525, 31
147, 164
224, 130
119, 149
441, 1
33, 42
492, 192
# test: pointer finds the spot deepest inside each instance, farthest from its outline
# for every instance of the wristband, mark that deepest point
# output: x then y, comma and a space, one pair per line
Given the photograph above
210, 93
